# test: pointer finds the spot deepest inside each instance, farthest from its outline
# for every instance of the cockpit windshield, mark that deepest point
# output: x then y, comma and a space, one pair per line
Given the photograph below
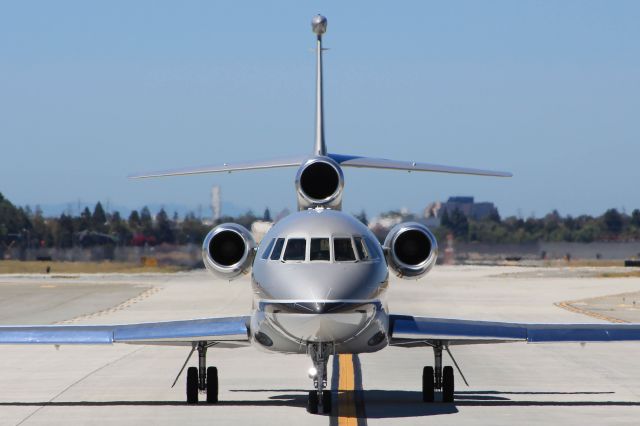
320, 249
296, 249
361, 248
277, 249
267, 250
343, 250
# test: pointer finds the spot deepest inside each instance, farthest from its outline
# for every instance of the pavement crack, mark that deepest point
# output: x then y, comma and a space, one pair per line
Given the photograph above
56, 396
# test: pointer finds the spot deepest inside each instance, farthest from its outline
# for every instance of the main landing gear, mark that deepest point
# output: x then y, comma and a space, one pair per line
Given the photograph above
319, 399
437, 377
201, 378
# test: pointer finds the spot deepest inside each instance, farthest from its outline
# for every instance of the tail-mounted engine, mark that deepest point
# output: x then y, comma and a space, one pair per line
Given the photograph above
319, 183
411, 250
228, 250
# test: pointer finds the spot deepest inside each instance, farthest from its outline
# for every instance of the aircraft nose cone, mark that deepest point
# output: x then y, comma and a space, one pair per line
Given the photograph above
319, 24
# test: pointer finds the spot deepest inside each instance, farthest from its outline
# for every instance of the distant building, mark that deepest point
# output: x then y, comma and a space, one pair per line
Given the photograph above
477, 211
259, 228
432, 214
386, 222
216, 203
380, 225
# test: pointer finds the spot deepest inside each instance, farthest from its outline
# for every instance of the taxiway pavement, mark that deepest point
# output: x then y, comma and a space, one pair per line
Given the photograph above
509, 383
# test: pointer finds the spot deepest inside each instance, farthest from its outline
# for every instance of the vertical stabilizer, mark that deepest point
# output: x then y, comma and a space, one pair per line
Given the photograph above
329, 176
319, 26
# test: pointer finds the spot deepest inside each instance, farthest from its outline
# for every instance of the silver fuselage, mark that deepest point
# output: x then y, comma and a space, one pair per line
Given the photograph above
320, 300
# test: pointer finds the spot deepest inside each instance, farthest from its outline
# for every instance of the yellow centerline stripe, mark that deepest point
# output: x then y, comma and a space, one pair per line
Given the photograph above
346, 392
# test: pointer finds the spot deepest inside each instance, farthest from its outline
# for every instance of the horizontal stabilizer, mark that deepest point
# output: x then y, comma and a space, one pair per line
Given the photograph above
381, 163
343, 160
226, 167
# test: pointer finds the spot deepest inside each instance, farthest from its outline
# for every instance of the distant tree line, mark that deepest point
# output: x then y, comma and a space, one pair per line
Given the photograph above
611, 226
27, 228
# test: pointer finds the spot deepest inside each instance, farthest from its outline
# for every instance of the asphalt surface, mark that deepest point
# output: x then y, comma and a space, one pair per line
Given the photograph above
509, 383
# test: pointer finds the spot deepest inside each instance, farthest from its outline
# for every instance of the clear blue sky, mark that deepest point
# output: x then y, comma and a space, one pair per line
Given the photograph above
93, 91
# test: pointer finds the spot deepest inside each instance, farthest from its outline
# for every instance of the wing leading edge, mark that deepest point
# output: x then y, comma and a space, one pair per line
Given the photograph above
409, 330
230, 329
382, 163
343, 160
226, 167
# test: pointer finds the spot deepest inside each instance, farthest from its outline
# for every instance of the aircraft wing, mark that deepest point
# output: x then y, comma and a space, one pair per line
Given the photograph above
226, 167
412, 331
381, 163
229, 331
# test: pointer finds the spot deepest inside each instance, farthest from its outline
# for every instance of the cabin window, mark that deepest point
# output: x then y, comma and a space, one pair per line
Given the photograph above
296, 249
343, 250
277, 249
361, 248
265, 255
319, 249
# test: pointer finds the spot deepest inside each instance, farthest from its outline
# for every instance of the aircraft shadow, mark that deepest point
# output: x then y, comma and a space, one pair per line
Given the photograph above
390, 403
378, 404
530, 393
384, 404
281, 400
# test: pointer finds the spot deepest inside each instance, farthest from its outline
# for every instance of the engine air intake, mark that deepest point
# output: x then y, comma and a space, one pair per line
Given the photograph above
412, 247
319, 180
411, 250
319, 183
228, 250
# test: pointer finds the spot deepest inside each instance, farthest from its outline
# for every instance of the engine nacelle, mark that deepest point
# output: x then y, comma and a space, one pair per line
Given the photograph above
411, 250
228, 250
319, 183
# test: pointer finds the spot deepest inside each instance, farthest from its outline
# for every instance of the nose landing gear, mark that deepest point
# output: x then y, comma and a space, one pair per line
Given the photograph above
319, 399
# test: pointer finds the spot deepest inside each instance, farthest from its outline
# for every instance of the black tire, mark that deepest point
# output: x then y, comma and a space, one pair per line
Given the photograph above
428, 384
447, 384
326, 401
212, 385
312, 402
192, 385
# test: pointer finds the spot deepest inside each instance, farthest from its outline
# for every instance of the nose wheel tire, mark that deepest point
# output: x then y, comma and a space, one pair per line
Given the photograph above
326, 401
312, 402
428, 384
212, 385
192, 385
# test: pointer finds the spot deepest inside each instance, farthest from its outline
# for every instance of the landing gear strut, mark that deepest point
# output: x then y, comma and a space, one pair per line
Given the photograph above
201, 378
437, 377
319, 399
